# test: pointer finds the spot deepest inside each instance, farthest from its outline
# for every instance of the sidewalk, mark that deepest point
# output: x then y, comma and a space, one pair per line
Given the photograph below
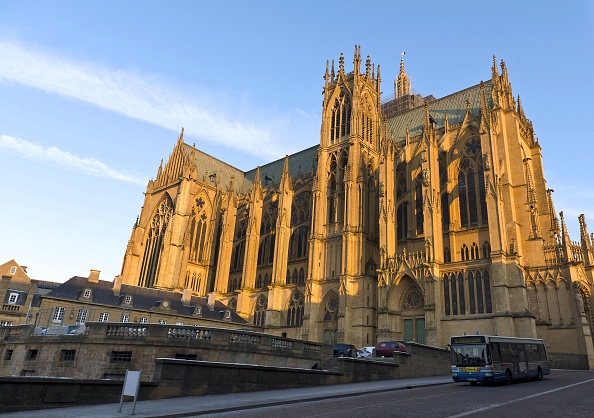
199, 405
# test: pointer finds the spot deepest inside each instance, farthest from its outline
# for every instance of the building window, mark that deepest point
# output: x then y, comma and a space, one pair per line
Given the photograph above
402, 221
128, 300
125, 318
31, 355
296, 309
227, 314
81, 317
198, 310
476, 285
12, 270
87, 294
104, 317
58, 314
12, 298
260, 311
5, 323
144, 320
67, 355
162, 322
8, 355
121, 356
154, 243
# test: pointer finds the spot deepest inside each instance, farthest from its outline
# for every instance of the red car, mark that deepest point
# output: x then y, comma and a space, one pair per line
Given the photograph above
387, 348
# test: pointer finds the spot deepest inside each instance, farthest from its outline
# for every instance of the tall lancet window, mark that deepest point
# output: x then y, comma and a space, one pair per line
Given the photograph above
154, 243
340, 122
419, 205
197, 232
471, 185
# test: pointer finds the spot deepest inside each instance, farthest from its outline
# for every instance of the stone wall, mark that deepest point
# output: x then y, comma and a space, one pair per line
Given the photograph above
106, 350
177, 378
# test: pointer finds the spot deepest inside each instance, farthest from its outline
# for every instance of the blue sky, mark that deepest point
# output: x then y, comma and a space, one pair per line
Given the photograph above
94, 94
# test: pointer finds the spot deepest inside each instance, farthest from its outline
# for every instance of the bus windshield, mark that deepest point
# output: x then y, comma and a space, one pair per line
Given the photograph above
470, 355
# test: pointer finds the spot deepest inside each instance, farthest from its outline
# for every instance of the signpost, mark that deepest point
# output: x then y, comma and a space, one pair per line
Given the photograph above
131, 385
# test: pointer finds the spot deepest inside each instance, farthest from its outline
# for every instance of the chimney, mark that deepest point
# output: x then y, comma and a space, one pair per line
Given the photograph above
117, 284
94, 276
211, 300
187, 296
24, 268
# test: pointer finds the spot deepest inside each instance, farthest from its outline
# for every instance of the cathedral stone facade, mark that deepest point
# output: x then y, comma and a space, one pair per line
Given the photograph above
414, 218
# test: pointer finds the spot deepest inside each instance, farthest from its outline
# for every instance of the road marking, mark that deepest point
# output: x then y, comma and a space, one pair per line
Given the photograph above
485, 408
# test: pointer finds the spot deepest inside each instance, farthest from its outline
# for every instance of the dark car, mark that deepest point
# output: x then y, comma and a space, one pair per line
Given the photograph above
387, 348
345, 350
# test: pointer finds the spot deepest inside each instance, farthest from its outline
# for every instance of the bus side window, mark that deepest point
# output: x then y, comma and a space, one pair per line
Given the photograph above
531, 352
541, 353
505, 353
495, 353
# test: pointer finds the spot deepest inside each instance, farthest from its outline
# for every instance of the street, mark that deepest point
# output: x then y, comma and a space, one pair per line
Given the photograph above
561, 394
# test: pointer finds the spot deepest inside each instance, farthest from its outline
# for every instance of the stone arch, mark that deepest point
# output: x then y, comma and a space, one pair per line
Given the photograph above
329, 316
154, 241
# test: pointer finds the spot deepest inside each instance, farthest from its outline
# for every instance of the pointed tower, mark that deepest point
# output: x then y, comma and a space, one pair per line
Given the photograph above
345, 234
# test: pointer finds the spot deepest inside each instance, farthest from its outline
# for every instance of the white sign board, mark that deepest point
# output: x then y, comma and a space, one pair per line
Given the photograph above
131, 385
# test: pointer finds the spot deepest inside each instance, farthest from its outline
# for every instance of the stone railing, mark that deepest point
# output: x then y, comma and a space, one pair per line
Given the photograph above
189, 333
124, 330
236, 337
278, 342
11, 308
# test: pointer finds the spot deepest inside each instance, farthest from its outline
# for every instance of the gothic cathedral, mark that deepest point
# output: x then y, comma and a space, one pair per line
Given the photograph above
415, 218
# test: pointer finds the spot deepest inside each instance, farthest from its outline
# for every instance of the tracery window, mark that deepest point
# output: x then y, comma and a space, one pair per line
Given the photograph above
237, 256
419, 205
402, 221
154, 243
464, 254
296, 309
331, 308
192, 281
486, 249
301, 208
340, 123
401, 185
413, 299
197, 231
260, 311
445, 197
447, 256
298, 243
474, 289
474, 251
471, 185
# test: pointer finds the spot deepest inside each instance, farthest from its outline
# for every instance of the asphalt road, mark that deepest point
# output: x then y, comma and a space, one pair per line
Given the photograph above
561, 394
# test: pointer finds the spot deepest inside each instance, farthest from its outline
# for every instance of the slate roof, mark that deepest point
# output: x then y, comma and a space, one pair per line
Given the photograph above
142, 298
299, 163
454, 105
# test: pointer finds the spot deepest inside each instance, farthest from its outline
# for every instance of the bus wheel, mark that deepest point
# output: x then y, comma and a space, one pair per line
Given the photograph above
540, 375
508, 377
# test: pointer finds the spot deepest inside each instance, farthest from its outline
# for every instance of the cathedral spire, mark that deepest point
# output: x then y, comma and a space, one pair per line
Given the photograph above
341, 64
402, 82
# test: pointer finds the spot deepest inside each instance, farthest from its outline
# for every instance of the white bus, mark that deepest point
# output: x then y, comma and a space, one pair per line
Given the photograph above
485, 358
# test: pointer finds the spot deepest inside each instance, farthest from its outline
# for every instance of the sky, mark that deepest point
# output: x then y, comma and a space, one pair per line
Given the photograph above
94, 94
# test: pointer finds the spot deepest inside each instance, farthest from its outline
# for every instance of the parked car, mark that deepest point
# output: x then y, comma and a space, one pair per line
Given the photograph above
363, 353
387, 348
345, 350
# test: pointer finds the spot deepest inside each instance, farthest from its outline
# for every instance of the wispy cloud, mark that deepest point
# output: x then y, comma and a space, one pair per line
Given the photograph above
64, 159
142, 97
